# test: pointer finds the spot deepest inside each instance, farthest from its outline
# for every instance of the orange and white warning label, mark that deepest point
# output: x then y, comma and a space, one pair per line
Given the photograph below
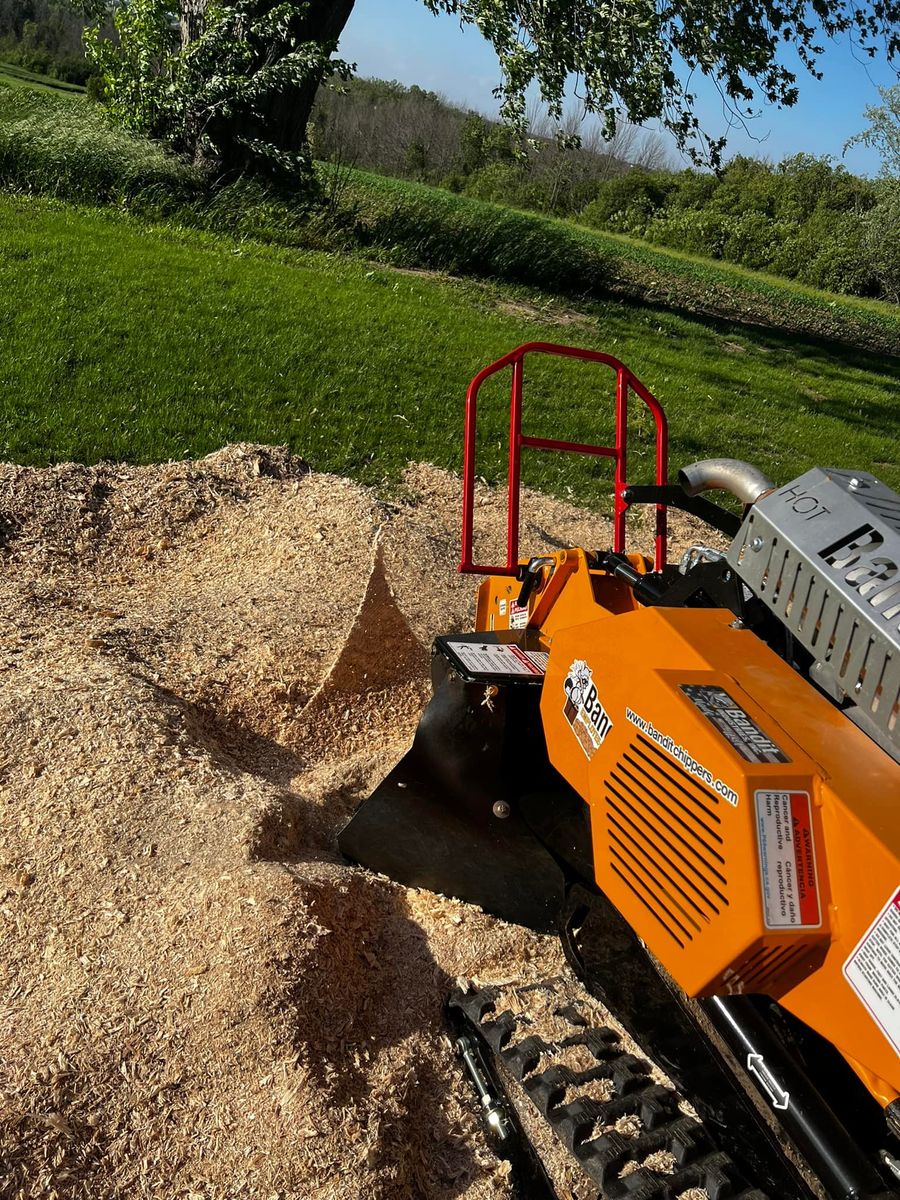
873, 970
495, 658
787, 860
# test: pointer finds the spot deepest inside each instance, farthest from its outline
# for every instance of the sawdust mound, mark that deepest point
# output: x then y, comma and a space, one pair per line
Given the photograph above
203, 668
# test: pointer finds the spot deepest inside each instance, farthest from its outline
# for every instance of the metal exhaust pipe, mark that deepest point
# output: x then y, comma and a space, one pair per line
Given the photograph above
744, 481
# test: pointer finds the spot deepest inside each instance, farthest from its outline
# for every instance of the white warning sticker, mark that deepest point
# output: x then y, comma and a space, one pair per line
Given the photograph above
493, 658
787, 860
518, 615
873, 970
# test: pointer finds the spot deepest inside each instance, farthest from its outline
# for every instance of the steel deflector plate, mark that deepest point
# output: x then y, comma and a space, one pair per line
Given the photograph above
431, 824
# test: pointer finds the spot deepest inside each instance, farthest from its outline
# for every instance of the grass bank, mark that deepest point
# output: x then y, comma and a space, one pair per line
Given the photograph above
123, 341
418, 225
50, 146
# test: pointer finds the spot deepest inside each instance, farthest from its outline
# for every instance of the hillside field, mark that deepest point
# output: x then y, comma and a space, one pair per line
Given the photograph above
52, 147
132, 343
12, 76
413, 224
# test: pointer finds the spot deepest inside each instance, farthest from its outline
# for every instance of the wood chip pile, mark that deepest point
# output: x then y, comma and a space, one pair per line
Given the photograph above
204, 667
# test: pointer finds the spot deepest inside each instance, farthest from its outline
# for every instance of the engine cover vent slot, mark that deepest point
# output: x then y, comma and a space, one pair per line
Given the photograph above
823, 554
769, 968
664, 840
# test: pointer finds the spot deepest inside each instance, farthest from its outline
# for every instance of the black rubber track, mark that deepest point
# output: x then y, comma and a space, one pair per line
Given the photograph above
575, 1120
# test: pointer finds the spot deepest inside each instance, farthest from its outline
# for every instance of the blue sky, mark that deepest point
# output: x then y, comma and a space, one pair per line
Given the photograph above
400, 39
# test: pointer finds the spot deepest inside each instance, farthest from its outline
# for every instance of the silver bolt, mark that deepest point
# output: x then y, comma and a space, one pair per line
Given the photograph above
501, 810
757, 543
854, 483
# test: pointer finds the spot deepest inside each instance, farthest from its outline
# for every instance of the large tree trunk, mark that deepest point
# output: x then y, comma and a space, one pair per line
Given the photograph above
283, 118
192, 13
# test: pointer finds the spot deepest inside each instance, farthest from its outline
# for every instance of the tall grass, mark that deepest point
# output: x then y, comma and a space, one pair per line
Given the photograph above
52, 146
417, 225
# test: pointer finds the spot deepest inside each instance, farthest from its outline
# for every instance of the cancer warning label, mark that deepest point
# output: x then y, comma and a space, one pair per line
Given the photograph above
787, 860
873, 970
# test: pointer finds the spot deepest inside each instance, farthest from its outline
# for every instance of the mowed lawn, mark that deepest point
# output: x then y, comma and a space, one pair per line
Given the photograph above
119, 341
17, 77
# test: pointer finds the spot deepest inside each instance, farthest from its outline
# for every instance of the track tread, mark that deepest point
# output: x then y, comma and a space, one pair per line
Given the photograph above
585, 1125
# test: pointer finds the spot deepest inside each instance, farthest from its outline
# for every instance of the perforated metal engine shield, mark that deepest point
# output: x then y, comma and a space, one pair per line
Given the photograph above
823, 553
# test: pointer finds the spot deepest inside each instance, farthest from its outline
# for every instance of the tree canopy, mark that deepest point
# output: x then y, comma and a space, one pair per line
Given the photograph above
883, 131
637, 60
237, 78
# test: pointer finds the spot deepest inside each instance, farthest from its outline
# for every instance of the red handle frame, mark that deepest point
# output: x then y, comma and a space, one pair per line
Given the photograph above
626, 383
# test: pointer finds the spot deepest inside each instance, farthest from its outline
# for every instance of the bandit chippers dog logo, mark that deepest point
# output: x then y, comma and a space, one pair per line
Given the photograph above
589, 719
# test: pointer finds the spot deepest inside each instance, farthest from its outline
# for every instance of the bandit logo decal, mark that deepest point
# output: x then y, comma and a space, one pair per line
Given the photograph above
589, 719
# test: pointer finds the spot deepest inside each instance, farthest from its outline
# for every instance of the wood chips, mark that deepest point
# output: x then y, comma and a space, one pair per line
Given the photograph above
203, 668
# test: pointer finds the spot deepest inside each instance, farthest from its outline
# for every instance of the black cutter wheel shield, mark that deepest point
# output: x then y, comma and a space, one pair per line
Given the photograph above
449, 816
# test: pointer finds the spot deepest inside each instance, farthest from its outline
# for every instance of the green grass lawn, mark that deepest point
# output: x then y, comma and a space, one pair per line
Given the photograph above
122, 341
17, 77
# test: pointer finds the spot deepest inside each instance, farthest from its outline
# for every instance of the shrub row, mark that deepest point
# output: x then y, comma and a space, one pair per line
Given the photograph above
804, 219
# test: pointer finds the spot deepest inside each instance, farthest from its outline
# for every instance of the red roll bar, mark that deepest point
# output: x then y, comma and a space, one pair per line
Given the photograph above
625, 383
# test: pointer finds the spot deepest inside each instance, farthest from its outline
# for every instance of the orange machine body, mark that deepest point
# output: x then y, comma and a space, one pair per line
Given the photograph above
744, 827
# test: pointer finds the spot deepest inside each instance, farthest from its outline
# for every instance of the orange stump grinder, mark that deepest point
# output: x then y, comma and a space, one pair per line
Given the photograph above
692, 771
